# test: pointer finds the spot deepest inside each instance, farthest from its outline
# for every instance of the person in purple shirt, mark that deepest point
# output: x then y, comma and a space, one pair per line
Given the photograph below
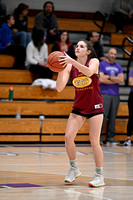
111, 75
130, 108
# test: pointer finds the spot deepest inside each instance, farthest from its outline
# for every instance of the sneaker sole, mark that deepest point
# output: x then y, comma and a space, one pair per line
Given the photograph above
66, 181
90, 185
127, 145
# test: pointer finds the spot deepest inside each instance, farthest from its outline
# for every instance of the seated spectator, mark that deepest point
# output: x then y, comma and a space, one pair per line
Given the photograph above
36, 55
130, 108
93, 36
47, 21
122, 13
20, 33
7, 46
63, 44
2, 11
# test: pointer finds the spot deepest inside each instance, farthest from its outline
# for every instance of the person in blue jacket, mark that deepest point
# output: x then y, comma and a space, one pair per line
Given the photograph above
7, 46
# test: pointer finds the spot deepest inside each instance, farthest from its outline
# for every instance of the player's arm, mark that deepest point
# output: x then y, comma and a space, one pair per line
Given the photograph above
62, 78
88, 71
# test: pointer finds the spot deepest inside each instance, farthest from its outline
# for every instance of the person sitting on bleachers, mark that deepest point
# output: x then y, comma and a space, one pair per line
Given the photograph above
36, 55
19, 29
63, 44
47, 21
122, 13
2, 11
94, 37
7, 46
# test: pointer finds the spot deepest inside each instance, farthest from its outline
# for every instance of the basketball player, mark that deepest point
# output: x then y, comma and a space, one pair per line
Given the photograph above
88, 103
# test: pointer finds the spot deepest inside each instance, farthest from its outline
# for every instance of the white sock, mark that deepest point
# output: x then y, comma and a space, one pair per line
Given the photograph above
73, 163
99, 170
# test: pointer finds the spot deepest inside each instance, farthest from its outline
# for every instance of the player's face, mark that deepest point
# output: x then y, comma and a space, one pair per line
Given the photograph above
81, 49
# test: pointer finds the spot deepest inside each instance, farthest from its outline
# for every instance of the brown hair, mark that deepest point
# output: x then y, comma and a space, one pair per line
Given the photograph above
20, 8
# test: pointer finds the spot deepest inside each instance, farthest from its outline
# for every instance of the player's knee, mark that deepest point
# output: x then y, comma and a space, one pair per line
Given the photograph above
68, 138
94, 143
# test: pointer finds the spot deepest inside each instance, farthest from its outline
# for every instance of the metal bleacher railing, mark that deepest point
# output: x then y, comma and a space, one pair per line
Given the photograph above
130, 54
102, 16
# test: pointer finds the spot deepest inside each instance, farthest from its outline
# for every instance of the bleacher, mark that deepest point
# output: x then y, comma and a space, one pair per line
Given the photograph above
33, 101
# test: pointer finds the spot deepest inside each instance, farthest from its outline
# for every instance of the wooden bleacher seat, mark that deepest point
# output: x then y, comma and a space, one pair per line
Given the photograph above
19, 76
77, 25
117, 39
54, 108
53, 128
36, 92
31, 101
24, 130
129, 49
28, 130
6, 61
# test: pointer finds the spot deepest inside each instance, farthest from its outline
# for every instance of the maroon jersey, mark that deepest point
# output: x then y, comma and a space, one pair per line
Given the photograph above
88, 99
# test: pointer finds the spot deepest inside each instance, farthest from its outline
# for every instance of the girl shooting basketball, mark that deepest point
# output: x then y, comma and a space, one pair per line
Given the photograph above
88, 103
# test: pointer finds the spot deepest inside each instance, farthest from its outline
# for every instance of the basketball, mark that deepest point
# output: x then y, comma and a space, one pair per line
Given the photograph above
53, 61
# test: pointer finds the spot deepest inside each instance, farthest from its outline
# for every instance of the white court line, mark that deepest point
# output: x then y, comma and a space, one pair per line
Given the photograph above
58, 163
81, 193
71, 191
58, 174
49, 153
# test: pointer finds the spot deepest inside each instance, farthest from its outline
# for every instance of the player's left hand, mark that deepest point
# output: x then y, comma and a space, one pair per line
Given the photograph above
64, 60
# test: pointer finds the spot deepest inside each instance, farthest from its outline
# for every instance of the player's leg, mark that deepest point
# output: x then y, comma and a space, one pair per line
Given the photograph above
73, 125
95, 124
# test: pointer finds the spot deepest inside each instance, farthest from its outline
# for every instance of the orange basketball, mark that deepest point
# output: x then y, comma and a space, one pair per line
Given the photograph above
53, 61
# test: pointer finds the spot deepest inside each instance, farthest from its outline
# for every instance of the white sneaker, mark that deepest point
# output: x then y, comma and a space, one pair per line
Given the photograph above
98, 181
72, 174
127, 142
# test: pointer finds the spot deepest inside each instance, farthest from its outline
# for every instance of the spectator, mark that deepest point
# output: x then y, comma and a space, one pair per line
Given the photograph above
47, 21
36, 55
20, 32
2, 11
7, 44
93, 36
111, 75
130, 108
122, 13
64, 45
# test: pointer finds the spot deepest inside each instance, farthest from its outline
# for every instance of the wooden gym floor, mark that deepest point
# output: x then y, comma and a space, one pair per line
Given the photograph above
36, 172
